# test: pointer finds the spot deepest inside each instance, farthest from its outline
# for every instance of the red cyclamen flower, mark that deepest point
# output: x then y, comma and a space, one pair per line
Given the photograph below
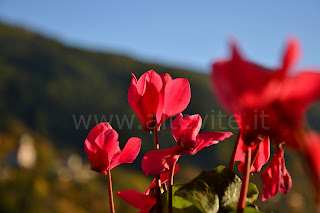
270, 101
156, 98
276, 177
185, 132
145, 201
262, 156
263, 152
103, 151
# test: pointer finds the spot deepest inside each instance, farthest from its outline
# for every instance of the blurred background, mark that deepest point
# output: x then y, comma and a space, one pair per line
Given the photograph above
63, 61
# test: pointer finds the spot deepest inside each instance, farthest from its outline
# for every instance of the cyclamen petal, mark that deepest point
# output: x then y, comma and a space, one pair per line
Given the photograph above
234, 77
285, 181
189, 129
166, 78
130, 151
145, 98
128, 154
151, 105
275, 177
295, 89
262, 156
291, 55
145, 201
149, 77
96, 131
158, 161
185, 132
209, 138
137, 199
175, 126
108, 142
177, 94
101, 161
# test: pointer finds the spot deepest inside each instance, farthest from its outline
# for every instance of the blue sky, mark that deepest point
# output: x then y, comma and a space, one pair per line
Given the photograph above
188, 34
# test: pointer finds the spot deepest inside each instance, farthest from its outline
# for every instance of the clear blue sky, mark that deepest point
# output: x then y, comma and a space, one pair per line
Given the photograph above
183, 33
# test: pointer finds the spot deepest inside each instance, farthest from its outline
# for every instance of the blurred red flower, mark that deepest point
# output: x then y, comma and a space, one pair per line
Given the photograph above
145, 201
102, 148
185, 132
262, 155
270, 101
271, 104
156, 98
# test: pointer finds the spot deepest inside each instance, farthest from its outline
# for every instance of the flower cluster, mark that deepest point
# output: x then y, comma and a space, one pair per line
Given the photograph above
269, 106
185, 132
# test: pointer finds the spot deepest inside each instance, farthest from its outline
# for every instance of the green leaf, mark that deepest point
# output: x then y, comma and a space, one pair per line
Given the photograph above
216, 190
211, 190
179, 202
253, 193
249, 210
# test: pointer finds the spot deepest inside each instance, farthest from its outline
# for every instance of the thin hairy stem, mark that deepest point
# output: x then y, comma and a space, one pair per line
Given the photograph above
158, 181
170, 189
255, 154
111, 203
235, 148
245, 182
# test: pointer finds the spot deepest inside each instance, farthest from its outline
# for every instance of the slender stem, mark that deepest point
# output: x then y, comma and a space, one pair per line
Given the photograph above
158, 194
156, 139
158, 181
255, 154
245, 182
170, 189
231, 164
165, 188
111, 203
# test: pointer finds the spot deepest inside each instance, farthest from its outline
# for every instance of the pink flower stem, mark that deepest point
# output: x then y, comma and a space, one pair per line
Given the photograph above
231, 164
111, 203
170, 189
255, 154
165, 188
158, 181
245, 182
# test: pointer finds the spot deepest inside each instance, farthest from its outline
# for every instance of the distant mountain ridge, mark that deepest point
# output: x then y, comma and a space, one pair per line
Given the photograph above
61, 92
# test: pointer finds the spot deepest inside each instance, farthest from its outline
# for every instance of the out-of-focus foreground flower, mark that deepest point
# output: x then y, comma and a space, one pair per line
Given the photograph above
271, 104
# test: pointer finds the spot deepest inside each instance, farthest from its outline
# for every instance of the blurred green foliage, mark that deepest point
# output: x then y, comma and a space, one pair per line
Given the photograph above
44, 85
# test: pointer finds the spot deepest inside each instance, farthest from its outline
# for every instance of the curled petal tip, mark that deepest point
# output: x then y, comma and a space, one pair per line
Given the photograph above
235, 53
292, 53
